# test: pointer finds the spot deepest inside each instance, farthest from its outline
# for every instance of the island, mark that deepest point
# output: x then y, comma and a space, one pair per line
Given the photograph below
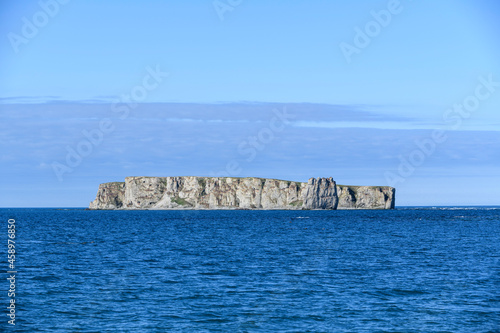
238, 193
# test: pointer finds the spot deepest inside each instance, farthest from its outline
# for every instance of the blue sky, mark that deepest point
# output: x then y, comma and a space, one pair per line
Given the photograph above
365, 117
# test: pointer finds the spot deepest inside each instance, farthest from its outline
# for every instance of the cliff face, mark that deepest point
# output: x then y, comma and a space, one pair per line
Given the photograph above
109, 196
366, 197
320, 193
242, 193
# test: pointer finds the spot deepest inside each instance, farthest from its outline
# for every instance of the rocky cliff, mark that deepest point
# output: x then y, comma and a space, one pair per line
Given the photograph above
366, 197
238, 193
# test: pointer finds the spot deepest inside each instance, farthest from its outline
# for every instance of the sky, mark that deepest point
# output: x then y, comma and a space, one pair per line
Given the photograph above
398, 93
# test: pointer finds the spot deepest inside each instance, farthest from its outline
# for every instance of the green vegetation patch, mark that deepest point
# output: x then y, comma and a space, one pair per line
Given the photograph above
180, 201
115, 183
296, 203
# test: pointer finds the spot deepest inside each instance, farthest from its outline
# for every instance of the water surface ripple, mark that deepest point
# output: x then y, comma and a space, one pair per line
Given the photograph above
406, 270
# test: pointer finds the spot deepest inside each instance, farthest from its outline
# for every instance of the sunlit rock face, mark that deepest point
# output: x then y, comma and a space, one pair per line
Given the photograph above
366, 197
238, 193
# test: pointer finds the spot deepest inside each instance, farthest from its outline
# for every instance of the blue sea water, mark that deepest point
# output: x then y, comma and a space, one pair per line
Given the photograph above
403, 270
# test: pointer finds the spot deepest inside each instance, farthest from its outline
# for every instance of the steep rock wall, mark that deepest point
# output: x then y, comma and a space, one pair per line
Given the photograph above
238, 193
109, 196
366, 197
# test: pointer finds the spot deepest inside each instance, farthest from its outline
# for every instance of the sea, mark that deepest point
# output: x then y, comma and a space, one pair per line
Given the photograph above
412, 269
